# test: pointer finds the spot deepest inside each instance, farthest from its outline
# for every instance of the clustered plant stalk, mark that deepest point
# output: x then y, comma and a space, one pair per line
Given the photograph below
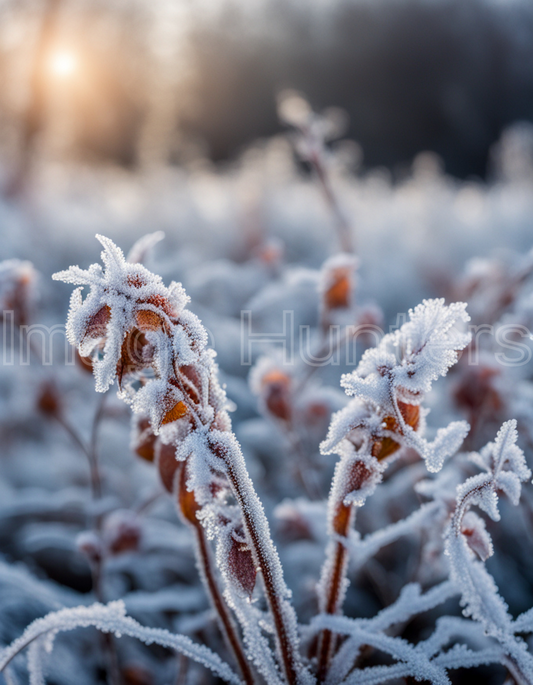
140, 332
133, 329
142, 328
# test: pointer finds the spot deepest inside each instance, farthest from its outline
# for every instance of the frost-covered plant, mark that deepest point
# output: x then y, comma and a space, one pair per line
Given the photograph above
138, 331
388, 386
139, 324
17, 290
503, 470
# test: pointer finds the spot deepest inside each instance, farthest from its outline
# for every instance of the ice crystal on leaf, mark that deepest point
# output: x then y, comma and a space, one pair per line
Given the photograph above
110, 618
122, 297
391, 381
145, 333
504, 469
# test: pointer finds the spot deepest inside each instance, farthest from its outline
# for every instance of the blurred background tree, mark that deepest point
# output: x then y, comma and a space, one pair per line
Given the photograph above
140, 82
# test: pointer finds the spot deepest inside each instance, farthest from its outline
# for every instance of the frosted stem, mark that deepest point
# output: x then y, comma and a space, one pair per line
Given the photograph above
335, 572
188, 507
266, 558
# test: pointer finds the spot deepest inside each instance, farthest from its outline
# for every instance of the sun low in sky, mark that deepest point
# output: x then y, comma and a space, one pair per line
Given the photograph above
63, 63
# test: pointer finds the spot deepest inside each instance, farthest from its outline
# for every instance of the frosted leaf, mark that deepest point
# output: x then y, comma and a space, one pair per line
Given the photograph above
143, 246
391, 380
510, 483
111, 618
418, 353
354, 415
447, 441
156, 399
480, 597
122, 296
477, 536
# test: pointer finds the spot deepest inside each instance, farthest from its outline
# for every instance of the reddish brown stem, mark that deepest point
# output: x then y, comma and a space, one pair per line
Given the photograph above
342, 226
263, 559
228, 626
189, 507
332, 601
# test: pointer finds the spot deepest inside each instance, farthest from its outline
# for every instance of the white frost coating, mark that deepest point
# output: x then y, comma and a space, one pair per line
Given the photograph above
257, 531
419, 664
410, 603
397, 374
480, 597
414, 356
142, 247
362, 549
457, 657
125, 290
126, 299
250, 617
111, 618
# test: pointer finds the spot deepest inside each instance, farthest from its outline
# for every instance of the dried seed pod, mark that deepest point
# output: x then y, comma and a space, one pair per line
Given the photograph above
167, 464
276, 392
122, 532
48, 400
242, 569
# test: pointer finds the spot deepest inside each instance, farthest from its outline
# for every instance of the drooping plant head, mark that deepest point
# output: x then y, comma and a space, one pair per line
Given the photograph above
132, 325
391, 381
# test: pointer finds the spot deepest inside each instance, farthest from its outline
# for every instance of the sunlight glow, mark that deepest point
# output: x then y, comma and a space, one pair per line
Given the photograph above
63, 63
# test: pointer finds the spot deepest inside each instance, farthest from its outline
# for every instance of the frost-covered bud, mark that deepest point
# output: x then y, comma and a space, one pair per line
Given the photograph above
337, 282
273, 386
241, 567
90, 545
276, 394
122, 532
293, 108
17, 290
48, 400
